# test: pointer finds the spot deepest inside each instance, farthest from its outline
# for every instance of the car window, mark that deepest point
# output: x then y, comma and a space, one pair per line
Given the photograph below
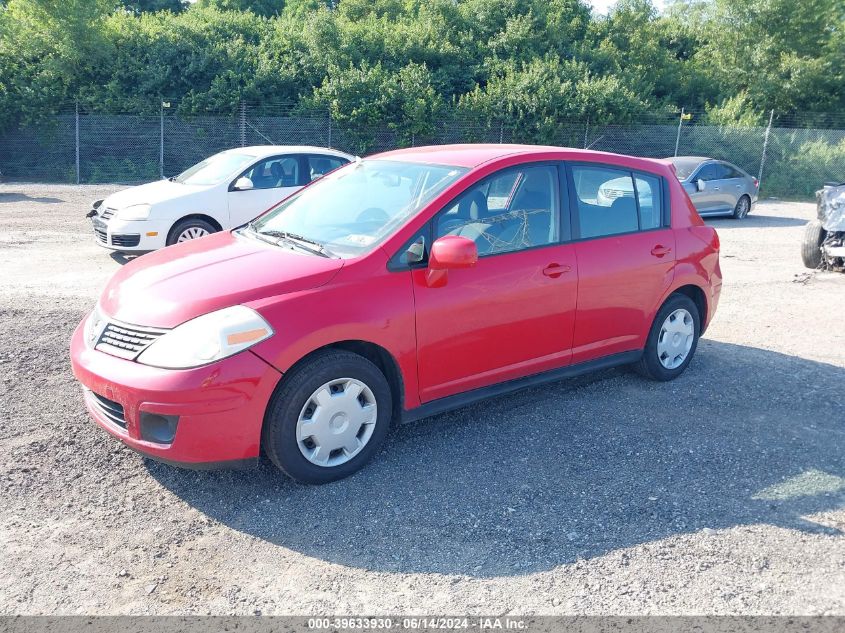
606, 202
509, 211
650, 199
729, 171
709, 172
278, 171
319, 166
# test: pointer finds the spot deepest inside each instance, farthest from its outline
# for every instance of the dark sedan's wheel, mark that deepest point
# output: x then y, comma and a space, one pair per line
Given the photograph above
743, 206
189, 229
811, 245
328, 417
672, 340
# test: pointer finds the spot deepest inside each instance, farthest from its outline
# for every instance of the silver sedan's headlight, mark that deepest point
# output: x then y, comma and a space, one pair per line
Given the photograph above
207, 338
134, 212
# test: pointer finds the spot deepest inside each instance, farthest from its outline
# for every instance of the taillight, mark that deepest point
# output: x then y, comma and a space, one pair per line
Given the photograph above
756, 182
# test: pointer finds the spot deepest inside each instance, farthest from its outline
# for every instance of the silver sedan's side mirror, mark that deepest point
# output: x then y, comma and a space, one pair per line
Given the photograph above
242, 184
700, 185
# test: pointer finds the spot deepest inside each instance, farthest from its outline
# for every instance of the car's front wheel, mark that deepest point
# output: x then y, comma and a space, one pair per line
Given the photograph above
189, 229
672, 340
328, 417
811, 245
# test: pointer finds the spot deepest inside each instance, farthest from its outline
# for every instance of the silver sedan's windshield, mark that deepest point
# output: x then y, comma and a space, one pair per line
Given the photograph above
354, 208
685, 166
215, 169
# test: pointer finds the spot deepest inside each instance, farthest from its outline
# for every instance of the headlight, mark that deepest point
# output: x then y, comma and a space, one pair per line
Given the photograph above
135, 212
207, 338
94, 326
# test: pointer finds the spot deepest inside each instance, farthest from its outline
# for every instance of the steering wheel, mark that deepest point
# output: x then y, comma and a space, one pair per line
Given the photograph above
373, 214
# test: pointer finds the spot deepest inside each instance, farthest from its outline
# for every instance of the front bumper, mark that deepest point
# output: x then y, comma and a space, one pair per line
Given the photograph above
220, 407
130, 236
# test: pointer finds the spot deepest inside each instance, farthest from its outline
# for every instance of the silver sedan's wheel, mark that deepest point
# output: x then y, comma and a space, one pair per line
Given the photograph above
675, 339
191, 233
743, 206
336, 422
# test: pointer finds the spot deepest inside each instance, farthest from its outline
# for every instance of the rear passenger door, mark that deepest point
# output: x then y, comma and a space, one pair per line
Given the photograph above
625, 252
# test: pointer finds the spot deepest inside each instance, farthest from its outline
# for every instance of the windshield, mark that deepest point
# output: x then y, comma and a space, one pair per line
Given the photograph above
685, 166
215, 169
352, 209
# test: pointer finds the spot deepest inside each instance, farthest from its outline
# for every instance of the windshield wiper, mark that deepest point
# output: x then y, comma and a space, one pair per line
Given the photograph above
305, 243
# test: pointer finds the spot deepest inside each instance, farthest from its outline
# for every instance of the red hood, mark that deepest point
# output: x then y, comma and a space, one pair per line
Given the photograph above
180, 282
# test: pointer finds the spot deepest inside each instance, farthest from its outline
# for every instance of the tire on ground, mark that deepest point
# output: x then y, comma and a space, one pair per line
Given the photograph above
811, 245
279, 439
649, 365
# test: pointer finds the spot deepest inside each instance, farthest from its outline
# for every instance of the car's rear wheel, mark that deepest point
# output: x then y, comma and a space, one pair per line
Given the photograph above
743, 206
672, 340
189, 229
328, 417
811, 245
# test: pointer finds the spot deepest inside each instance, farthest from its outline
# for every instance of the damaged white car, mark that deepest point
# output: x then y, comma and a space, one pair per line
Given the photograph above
824, 238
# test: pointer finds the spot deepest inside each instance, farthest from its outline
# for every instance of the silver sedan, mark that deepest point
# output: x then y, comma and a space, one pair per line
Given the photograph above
716, 187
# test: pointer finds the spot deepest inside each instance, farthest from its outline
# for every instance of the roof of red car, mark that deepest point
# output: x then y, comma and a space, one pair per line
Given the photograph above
473, 155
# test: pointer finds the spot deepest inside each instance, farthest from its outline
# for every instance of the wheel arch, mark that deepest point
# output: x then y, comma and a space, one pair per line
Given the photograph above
378, 356
699, 298
194, 216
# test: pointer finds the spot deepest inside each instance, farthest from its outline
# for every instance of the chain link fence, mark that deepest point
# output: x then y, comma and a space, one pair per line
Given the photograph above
74, 146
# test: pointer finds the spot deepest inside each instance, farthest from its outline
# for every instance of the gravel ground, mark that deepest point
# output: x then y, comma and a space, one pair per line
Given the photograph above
720, 493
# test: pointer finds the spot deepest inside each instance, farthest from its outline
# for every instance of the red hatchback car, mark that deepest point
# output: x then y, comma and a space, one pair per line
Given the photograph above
394, 288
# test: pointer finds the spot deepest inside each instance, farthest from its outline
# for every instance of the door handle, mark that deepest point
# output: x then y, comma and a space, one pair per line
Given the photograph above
715, 189
660, 250
556, 270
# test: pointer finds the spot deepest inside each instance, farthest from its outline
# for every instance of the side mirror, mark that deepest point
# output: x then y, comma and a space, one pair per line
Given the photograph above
700, 185
447, 252
242, 184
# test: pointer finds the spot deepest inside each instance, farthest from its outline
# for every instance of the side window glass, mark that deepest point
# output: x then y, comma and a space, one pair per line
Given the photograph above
649, 196
605, 199
279, 171
707, 173
730, 172
509, 211
319, 166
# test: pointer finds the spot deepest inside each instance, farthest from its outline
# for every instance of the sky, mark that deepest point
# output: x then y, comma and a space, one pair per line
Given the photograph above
601, 6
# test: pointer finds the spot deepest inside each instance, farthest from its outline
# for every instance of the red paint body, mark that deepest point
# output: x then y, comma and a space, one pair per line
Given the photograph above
507, 316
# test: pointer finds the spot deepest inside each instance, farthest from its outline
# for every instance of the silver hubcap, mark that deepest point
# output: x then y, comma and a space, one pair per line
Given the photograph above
743, 207
192, 233
675, 340
336, 422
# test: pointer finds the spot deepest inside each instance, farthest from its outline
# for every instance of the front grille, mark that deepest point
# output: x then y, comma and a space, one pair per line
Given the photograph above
126, 341
125, 240
109, 409
101, 235
107, 213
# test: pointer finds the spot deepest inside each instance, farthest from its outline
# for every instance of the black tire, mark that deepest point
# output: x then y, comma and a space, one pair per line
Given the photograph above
811, 245
649, 365
279, 432
188, 223
742, 208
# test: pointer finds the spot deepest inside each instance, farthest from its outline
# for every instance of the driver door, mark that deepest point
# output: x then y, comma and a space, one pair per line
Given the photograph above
706, 201
513, 313
273, 179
